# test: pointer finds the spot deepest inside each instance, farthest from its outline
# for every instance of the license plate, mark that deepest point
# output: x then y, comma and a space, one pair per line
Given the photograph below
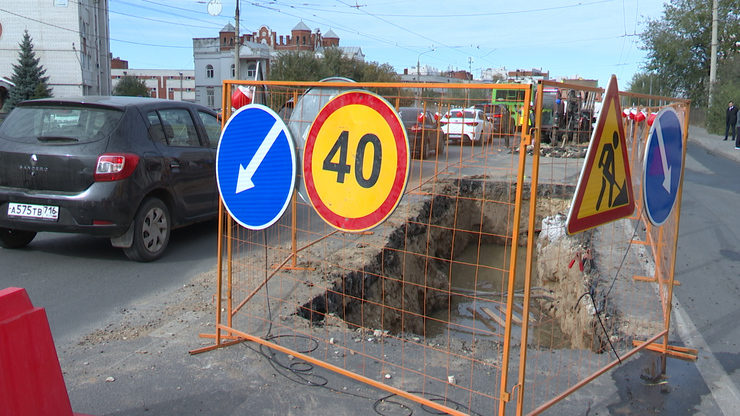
44, 212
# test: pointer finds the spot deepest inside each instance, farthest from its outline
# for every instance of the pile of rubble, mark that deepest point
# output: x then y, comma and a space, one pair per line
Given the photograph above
568, 151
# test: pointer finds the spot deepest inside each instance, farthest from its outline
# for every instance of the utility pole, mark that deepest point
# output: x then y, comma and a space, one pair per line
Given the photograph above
237, 41
180, 86
713, 61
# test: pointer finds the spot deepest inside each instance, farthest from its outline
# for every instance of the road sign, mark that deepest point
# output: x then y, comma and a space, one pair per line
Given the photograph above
303, 113
356, 161
255, 166
662, 165
604, 191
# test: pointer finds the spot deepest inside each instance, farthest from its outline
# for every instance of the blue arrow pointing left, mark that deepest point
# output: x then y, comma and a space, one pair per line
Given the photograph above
256, 166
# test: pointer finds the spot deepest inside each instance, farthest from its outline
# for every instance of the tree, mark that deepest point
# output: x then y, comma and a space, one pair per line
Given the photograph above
131, 86
679, 45
307, 66
727, 89
28, 75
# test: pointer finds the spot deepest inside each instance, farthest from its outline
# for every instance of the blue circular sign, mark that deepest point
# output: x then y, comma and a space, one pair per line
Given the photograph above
662, 166
256, 166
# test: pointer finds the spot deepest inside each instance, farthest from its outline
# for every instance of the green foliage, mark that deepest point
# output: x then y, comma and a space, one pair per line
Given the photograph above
131, 86
679, 45
306, 66
726, 90
28, 75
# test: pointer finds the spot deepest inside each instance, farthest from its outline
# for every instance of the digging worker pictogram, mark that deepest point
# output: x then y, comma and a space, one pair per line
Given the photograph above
606, 163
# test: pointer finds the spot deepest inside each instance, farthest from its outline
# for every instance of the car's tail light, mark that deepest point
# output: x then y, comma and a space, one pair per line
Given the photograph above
472, 123
115, 166
497, 115
420, 118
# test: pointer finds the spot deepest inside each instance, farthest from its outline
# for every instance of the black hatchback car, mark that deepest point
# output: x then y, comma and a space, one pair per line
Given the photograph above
130, 169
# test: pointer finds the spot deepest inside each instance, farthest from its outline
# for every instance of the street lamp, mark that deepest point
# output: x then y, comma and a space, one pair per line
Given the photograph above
418, 71
236, 41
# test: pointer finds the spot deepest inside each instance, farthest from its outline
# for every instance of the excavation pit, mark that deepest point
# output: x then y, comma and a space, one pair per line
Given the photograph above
444, 272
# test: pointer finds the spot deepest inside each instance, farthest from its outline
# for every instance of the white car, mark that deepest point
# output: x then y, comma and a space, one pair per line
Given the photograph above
466, 124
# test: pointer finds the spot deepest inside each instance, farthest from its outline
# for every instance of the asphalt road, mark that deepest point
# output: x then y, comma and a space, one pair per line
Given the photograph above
83, 281
708, 267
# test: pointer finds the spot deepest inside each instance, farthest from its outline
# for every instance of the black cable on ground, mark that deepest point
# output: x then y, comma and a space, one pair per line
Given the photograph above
592, 291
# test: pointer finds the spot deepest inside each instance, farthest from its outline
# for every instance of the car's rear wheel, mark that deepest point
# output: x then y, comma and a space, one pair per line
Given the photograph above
152, 227
10, 238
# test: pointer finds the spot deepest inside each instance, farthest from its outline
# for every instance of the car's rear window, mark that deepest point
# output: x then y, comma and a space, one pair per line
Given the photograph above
462, 114
57, 123
409, 115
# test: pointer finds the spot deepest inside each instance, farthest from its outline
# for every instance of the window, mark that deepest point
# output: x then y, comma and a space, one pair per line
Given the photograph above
233, 73
177, 126
251, 70
79, 124
209, 71
213, 128
210, 100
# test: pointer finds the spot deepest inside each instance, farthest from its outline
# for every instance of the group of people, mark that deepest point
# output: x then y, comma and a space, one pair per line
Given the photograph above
732, 124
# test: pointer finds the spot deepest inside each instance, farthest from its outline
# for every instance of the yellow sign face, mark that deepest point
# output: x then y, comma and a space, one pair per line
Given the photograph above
604, 191
356, 161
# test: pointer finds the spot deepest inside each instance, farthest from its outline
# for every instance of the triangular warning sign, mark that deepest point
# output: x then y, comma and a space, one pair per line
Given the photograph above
604, 191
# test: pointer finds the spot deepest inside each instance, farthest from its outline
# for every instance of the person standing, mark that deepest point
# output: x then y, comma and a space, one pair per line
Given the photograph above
731, 120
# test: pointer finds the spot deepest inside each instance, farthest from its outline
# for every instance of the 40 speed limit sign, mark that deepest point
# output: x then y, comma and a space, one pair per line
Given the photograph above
356, 161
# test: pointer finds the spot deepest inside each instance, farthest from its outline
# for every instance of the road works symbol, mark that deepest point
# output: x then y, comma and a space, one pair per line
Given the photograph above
356, 161
604, 191
662, 165
256, 166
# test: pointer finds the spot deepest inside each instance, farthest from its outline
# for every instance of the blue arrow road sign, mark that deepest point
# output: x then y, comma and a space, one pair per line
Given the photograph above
256, 166
662, 166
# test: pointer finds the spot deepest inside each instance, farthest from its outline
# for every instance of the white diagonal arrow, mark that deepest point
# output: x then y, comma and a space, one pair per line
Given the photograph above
244, 180
663, 159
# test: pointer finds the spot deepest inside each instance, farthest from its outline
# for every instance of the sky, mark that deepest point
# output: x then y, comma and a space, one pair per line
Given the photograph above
590, 39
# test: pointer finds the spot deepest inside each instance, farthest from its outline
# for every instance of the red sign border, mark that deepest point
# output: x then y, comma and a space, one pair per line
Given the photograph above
575, 224
399, 182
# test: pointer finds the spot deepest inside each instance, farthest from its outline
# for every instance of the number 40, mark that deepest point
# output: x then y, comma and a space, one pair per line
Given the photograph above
342, 168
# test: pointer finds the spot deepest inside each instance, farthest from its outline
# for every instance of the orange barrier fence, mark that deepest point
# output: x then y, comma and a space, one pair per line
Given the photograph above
470, 297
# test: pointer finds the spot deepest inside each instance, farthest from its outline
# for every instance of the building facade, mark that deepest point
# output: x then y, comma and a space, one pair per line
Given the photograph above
167, 84
214, 57
70, 38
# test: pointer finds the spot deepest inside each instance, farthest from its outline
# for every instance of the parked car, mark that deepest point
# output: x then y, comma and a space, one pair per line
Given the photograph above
466, 124
127, 168
422, 131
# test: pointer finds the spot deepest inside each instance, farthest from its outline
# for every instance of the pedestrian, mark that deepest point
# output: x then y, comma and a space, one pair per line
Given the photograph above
731, 120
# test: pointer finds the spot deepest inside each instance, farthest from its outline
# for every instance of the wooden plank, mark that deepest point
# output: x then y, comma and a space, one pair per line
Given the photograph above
514, 318
486, 321
493, 316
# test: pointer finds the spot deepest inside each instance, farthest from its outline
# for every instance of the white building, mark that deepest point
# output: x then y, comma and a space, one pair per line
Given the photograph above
168, 84
70, 38
214, 57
